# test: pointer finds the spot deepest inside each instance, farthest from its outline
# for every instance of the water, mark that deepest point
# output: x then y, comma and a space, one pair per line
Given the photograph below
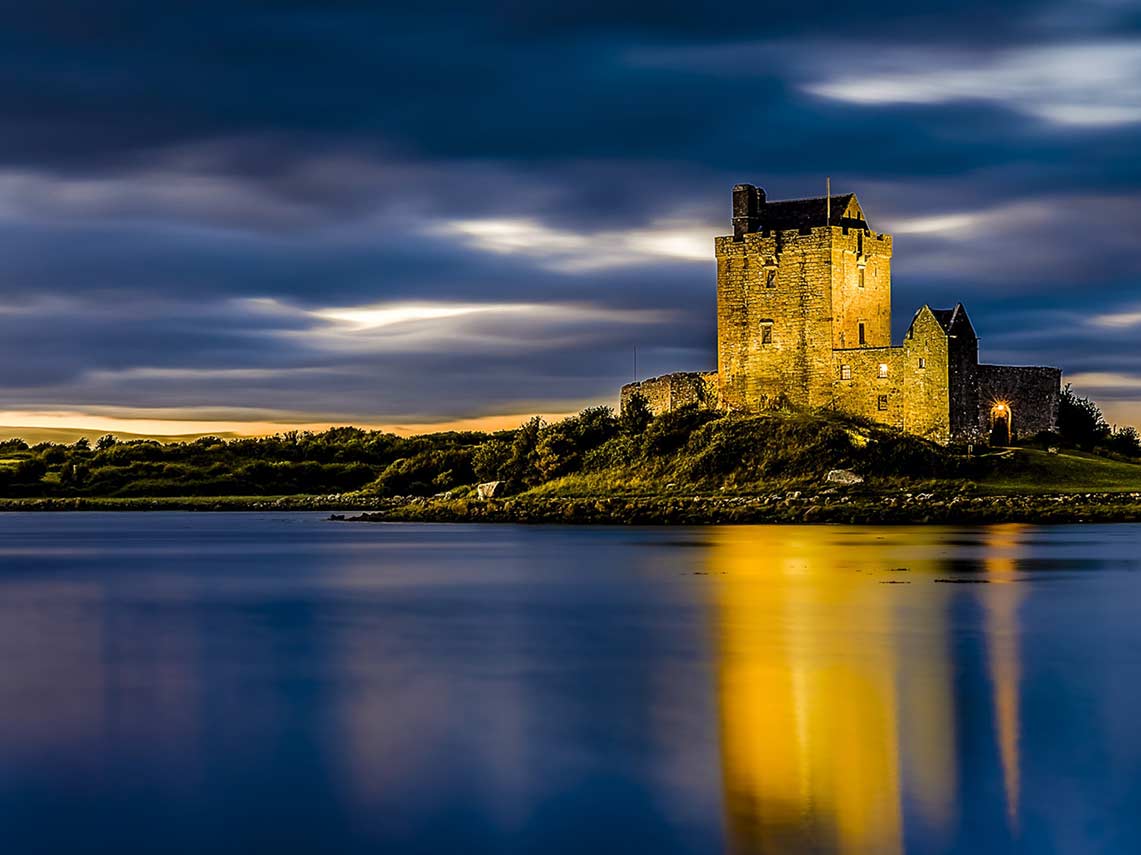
278, 683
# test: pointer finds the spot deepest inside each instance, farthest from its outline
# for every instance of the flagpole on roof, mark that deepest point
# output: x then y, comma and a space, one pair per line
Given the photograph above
828, 202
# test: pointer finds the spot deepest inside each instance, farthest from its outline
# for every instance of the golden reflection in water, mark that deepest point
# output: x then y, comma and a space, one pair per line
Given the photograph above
817, 692
1001, 603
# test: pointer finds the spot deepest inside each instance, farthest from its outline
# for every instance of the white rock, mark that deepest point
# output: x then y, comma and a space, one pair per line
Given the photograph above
489, 489
843, 476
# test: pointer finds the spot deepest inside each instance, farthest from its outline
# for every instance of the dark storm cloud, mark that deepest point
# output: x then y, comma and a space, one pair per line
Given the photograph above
188, 190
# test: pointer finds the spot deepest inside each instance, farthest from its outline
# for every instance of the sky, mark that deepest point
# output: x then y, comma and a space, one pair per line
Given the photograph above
247, 216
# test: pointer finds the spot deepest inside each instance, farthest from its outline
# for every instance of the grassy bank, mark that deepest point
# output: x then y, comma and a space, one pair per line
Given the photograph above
1029, 470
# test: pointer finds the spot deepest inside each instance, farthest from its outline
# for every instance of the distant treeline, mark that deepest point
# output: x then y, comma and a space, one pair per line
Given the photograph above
594, 451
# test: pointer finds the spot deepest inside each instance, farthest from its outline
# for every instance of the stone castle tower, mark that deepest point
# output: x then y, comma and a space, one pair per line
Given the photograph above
804, 320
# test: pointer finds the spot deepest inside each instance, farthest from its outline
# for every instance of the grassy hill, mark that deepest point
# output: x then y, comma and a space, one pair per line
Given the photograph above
1030, 470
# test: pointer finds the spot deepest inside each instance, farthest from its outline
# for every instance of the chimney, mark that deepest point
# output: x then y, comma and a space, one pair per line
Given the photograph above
748, 203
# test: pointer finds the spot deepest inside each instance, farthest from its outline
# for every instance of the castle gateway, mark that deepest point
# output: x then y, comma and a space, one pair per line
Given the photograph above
804, 320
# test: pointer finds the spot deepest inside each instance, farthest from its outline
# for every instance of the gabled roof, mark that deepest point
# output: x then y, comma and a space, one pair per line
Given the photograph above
953, 321
945, 317
804, 213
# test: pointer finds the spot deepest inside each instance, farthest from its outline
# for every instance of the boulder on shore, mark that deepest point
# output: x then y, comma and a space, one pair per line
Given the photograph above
844, 477
489, 489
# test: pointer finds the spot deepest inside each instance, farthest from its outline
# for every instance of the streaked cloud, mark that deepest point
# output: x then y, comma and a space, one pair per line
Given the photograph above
570, 251
1117, 319
378, 316
1105, 380
404, 322
1093, 84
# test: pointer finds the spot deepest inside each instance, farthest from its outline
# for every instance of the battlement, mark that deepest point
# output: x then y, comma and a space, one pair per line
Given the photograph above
776, 240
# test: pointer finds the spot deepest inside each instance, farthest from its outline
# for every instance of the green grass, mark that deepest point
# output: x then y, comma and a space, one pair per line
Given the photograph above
1031, 471
764, 454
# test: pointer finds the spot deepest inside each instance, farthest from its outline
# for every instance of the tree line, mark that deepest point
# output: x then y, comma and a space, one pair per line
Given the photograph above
690, 445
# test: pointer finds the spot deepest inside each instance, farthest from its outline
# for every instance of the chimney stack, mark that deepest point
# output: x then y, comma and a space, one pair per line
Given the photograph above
748, 204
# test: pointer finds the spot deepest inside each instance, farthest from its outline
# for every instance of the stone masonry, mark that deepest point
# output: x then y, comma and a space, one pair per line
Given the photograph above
804, 320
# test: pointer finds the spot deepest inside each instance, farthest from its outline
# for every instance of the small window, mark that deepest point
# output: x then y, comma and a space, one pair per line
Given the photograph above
861, 277
767, 332
922, 362
882, 370
771, 277
882, 402
863, 339
845, 372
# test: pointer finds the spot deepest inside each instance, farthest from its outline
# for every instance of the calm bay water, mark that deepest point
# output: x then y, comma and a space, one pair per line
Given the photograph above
279, 683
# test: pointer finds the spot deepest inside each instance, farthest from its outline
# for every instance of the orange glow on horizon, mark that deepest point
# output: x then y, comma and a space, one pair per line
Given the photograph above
25, 423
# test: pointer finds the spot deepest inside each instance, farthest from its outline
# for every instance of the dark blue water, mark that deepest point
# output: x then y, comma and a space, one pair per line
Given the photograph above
215, 683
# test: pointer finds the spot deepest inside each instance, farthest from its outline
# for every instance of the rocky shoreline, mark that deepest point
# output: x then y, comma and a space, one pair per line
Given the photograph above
333, 502
789, 507
867, 507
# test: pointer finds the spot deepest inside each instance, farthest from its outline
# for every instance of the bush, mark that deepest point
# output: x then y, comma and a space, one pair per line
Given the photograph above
1080, 422
561, 446
520, 466
490, 458
1124, 441
671, 431
425, 473
636, 415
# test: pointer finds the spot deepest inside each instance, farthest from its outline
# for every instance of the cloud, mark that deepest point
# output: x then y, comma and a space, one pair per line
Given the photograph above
1095, 84
265, 359
1105, 381
1117, 319
1036, 247
378, 316
571, 251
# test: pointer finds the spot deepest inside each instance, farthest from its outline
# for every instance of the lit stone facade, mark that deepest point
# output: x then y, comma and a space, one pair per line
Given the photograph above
804, 320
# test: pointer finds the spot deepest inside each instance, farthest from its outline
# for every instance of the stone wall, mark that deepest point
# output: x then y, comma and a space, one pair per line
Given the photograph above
863, 390
670, 391
776, 280
855, 251
1031, 393
963, 379
924, 378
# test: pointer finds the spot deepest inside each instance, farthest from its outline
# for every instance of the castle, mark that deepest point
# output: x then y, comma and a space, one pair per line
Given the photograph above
804, 320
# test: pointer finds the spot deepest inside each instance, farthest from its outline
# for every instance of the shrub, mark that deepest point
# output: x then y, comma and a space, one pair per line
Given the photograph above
671, 431
425, 473
1080, 421
489, 459
1124, 441
636, 415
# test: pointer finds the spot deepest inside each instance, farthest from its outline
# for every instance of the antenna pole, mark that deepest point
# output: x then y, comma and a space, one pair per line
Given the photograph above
828, 202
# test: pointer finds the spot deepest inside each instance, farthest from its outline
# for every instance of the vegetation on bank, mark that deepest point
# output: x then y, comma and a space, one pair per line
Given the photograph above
688, 452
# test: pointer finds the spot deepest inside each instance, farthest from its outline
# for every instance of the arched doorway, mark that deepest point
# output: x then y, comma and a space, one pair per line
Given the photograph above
1000, 427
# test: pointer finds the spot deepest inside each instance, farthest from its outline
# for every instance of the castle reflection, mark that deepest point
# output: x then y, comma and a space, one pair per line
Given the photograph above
836, 682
